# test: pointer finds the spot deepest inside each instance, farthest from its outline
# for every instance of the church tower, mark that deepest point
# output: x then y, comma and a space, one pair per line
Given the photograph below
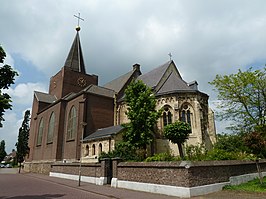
72, 77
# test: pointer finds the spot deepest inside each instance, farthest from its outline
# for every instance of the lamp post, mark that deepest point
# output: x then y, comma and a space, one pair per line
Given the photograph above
81, 143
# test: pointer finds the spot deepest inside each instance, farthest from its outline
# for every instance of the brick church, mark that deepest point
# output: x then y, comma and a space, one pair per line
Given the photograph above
77, 117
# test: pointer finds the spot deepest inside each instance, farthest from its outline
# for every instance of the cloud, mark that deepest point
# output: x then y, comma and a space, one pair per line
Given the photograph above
22, 94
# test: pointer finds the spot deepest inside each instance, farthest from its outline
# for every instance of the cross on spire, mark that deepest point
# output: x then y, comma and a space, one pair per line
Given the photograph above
170, 55
79, 18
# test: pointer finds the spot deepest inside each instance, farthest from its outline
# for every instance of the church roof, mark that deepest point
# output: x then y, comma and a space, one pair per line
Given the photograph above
153, 77
44, 97
75, 58
118, 83
104, 133
173, 83
98, 90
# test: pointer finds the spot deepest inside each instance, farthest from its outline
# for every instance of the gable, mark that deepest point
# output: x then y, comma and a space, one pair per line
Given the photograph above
153, 77
173, 84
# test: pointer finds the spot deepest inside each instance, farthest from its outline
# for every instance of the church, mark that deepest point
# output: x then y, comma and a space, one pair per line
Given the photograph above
79, 119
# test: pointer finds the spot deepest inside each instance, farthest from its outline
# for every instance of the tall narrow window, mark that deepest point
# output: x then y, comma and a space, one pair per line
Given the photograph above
186, 114
51, 127
100, 149
72, 123
167, 116
87, 150
93, 149
40, 132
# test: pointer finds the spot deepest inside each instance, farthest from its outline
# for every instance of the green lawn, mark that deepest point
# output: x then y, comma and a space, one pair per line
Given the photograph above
251, 186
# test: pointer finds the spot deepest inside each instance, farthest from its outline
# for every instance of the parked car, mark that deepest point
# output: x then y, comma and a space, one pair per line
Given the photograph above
8, 166
2, 166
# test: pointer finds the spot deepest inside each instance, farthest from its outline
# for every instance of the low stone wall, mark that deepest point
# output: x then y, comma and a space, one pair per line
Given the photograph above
87, 169
41, 167
184, 174
182, 179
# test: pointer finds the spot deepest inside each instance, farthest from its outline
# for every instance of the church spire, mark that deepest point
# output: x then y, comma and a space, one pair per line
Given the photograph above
75, 58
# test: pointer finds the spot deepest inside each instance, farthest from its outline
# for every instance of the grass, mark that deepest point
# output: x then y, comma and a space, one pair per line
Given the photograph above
251, 186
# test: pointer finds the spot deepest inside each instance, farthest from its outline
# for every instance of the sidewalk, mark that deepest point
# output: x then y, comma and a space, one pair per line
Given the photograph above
119, 193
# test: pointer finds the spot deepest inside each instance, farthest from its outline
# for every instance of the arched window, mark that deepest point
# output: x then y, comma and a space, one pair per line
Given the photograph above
51, 127
87, 151
72, 123
186, 114
93, 149
100, 149
40, 132
167, 116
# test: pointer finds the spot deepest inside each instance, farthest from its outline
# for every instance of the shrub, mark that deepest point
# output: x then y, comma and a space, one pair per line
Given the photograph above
123, 151
196, 152
161, 157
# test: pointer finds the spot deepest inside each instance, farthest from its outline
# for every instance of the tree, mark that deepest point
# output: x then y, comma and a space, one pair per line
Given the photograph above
142, 114
23, 137
2, 150
7, 77
178, 133
243, 98
256, 144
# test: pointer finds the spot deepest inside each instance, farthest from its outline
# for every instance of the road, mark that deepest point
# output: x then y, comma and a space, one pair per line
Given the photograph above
36, 186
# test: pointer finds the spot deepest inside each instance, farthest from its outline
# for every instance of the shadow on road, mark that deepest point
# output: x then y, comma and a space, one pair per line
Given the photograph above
45, 196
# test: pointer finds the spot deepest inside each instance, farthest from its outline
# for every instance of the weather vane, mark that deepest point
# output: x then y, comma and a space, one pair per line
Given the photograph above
170, 55
79, 18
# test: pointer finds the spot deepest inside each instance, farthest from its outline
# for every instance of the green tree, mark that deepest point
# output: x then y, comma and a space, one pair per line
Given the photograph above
256, 144
7, 77
2, 150
230, 143
143, 116
178, 133
23, 137
243, 98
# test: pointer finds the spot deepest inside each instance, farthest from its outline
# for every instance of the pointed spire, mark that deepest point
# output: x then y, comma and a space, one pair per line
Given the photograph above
75, 58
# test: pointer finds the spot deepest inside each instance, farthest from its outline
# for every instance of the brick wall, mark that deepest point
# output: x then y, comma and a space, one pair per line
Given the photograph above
92, 170
184, 174
180, 174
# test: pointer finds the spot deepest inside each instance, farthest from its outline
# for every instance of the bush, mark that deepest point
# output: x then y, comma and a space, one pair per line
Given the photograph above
161, 157
124, 151
219, 154
195, 152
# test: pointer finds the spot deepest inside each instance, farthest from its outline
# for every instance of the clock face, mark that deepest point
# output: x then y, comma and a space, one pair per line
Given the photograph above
81, 82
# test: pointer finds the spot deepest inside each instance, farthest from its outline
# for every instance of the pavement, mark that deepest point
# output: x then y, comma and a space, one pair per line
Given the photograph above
118, 193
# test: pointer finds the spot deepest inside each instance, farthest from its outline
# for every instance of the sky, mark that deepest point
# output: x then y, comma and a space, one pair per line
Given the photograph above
205, 38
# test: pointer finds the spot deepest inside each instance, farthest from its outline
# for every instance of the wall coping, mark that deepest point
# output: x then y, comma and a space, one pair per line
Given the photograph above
189, 164
77, 164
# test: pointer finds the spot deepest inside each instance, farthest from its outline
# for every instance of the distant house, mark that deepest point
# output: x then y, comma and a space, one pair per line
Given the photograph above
10, 157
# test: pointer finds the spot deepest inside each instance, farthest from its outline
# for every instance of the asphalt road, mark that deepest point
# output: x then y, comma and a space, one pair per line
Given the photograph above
36, 186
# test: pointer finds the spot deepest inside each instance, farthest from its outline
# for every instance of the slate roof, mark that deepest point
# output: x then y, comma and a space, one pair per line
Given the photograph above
75, 58
99, 90
44, 97
104, 133
118, 83
174, 83
153, 77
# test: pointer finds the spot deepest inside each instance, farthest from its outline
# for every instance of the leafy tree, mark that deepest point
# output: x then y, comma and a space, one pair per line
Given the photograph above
7, 77
230, 142
2, 150
23, 137
243, 98
256, 144
142, 114
178, 133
